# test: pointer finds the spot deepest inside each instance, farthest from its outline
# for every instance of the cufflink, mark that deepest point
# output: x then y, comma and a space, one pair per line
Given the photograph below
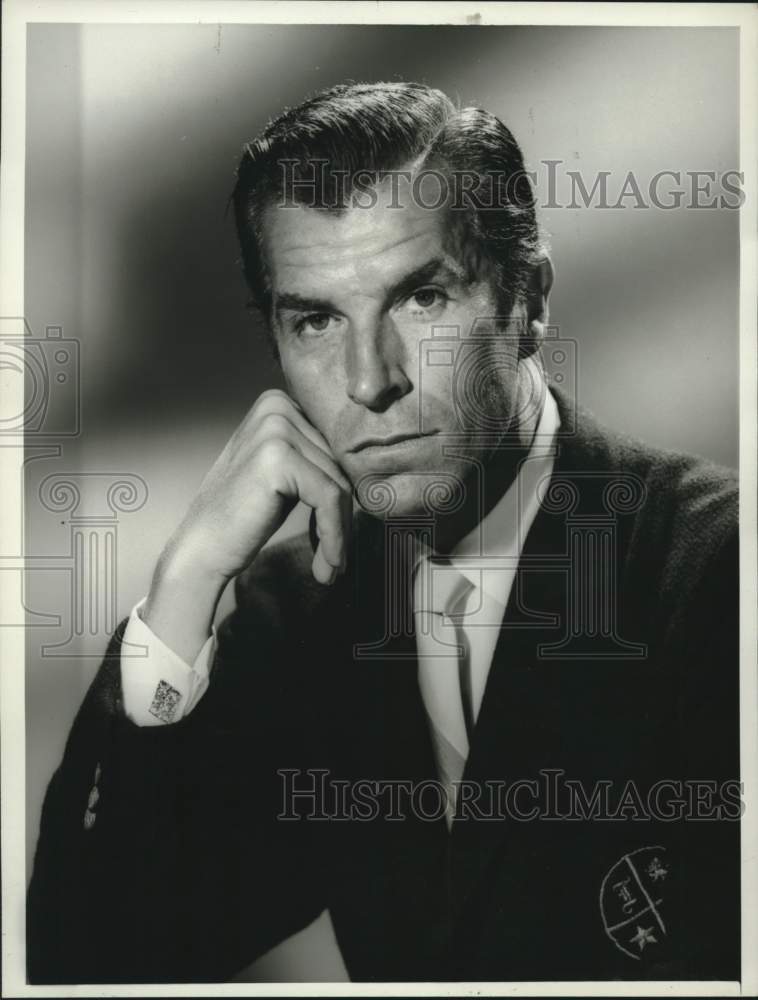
165, 701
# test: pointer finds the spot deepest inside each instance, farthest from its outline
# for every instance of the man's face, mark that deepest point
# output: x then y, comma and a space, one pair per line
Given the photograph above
355, 298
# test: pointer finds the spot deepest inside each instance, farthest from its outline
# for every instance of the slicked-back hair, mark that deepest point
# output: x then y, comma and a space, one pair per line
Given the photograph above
312, 154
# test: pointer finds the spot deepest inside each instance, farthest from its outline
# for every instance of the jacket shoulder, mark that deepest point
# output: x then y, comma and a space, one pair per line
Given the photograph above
689, 502
685, 524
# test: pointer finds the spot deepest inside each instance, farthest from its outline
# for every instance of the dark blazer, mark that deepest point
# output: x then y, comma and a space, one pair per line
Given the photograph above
617, 667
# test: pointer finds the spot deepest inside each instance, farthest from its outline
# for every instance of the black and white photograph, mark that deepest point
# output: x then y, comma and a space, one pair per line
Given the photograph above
379, 505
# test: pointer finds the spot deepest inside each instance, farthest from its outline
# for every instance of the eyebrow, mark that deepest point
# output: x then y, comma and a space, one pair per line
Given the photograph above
437, 268
300, 303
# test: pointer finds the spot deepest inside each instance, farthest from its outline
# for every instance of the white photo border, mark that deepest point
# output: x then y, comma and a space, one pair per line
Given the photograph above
17, 14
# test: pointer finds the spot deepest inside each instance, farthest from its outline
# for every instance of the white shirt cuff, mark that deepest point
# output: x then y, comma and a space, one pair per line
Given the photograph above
158, 686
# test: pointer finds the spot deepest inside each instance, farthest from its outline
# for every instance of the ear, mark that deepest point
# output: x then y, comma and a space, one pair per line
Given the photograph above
536, 298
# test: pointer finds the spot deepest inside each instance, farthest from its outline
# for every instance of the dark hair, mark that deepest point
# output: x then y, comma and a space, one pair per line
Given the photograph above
368, 129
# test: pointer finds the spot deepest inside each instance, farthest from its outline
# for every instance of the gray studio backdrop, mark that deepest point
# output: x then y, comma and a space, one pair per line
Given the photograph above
133, 134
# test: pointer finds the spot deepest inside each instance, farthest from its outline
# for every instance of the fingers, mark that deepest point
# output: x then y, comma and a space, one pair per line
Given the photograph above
275, 402
331, 504
281, 426
322, 570
309, 472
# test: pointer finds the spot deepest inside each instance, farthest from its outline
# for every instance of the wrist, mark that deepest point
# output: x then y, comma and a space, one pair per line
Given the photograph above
182, 601
183, 566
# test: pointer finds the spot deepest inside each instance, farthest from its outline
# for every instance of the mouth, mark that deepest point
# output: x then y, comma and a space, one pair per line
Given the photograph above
392, 441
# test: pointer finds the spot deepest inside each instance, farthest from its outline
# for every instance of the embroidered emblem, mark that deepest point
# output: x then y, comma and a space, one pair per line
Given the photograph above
656, 870
631, 902
643, 936
624, 894
164, 703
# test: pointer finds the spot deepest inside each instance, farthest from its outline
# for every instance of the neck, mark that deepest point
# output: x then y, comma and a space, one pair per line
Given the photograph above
502, 463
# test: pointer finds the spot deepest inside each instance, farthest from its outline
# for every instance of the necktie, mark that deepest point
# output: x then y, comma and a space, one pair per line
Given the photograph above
440, 593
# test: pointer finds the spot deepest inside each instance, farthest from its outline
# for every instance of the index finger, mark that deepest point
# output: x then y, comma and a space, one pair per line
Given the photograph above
283, 404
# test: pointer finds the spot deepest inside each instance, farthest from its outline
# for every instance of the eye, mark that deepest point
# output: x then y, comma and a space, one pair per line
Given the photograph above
314, 324
425, 298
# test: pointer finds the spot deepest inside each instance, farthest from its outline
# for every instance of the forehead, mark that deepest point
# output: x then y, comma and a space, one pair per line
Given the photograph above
362, 248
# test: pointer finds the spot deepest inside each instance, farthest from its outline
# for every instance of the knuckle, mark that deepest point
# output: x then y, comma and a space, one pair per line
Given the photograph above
276, 424
267, 399
272, 453
271, 394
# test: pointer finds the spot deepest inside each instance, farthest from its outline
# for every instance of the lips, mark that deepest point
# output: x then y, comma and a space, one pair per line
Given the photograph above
391, 441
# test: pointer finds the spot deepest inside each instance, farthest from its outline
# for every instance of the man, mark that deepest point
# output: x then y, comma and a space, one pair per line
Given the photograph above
473, 712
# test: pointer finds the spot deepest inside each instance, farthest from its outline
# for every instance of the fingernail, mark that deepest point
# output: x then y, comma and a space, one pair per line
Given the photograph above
332, 575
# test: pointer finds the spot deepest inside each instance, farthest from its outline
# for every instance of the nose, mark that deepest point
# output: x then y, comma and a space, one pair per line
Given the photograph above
376, 377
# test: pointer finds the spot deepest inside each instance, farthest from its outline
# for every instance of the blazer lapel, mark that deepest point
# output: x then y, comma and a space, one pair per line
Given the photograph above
517, 716
532, 704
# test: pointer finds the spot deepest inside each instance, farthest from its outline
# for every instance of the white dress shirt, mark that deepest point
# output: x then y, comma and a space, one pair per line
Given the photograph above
488, 556
160, 688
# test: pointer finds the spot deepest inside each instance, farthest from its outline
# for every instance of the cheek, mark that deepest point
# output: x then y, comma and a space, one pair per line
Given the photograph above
471, 367
483, 386
315, 384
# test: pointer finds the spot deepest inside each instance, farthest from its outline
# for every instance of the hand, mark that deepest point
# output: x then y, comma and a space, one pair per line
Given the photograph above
274, 459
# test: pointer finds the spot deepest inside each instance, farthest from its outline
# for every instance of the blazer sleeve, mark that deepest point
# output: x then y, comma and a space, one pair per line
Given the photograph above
160, 857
